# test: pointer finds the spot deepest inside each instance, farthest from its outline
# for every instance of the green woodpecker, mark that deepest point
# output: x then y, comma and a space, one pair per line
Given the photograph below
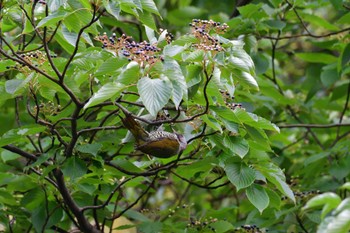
156, 143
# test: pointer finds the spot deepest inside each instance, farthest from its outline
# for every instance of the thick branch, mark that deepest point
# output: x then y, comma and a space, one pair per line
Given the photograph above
84, 224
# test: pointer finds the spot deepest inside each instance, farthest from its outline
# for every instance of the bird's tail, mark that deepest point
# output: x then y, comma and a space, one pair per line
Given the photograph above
139, 133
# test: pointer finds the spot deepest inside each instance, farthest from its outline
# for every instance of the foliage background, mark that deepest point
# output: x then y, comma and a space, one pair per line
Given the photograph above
64, 166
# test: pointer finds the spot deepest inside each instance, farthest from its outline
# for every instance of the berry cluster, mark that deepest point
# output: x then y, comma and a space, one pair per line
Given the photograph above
168, 36
143, 52
250, 228
304, 194
228, 100
49, 108
36, 59
202, 30
200, 225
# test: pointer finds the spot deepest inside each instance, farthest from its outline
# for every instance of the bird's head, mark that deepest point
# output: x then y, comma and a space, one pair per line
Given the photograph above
182, 141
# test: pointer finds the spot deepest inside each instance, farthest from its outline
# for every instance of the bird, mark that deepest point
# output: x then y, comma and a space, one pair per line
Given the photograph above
158, 143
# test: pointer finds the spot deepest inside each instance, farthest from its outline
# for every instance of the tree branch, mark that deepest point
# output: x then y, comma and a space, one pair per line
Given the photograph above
83, 222
315, 125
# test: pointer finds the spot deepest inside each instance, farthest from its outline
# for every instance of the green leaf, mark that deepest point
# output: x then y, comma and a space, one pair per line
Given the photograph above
17, 86
150, 227
329, 75
7, 198
22, 184
110, 66
345, 56
173, 71
212, 122
317, 57
127, 165
147, 19
74, 168
45, 216
8, 156
155, 93
222, 226
195, 56
241, 60
329, 201
275, 24
92, 149
275, 199
344, 205
249, 10
77, 19
346, 186
52, 19
344, 19
150, 6
106, 92
181, 16
319, 21
172, 50
248, 81
6, 64
150, 35
237, 145
239, 174
340, 223
33, 198
275, 175
258, 197
16, 135
129, 74
112, 7
67, 46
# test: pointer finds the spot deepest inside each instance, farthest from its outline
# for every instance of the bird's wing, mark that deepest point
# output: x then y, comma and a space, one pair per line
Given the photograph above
163, 147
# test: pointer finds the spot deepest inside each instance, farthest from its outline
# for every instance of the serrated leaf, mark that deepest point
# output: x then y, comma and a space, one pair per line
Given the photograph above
106, 92
155, 93
239, 174
258, 197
